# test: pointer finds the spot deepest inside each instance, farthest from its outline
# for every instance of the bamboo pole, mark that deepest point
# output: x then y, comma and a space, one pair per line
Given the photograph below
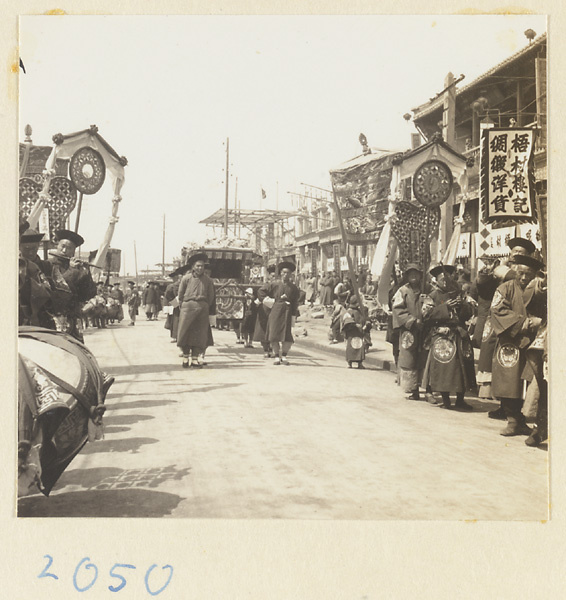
353, 277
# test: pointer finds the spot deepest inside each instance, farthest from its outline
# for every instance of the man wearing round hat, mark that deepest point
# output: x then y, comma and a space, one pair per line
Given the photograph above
515, 326
170, 298
353, 327
407, 315
450, 362
250, 314
263, 311
488, 280
34, 288
196, 298
283, 295
77, 286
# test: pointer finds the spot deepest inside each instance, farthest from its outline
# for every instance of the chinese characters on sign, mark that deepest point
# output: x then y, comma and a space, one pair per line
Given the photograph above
506, 181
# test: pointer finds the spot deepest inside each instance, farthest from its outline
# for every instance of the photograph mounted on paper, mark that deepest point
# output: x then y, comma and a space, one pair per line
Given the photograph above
316, 288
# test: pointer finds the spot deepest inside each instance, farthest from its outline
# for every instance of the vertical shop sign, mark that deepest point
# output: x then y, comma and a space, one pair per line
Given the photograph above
507, 176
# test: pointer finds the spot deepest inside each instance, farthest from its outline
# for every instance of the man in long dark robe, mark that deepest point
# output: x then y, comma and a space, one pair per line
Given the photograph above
80, 286
283, 295
196, 297
515, 327
261, 318
484, 338
406, 307
450, 361
171, 293
34, 289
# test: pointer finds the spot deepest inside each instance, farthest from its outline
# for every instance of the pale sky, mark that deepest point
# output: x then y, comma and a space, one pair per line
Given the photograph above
291, 93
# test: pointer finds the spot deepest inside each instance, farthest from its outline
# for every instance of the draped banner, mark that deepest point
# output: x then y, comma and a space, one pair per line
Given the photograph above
507, 176
361, 187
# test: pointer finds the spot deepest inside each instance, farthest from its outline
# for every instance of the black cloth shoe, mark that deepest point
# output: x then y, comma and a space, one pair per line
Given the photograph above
497, 414
514, 428
534, 439
463, 405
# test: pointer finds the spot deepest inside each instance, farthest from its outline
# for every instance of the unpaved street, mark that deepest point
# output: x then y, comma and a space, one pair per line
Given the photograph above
243, 438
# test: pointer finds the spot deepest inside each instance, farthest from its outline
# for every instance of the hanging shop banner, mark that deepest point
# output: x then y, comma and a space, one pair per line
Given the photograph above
361, 188
493, 243
314, 261
336, 250
507, 176
463, 250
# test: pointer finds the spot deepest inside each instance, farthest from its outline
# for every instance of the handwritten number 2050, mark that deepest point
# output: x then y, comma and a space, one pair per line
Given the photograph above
85, 564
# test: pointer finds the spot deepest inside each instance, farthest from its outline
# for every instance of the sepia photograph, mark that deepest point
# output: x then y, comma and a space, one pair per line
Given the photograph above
283, 267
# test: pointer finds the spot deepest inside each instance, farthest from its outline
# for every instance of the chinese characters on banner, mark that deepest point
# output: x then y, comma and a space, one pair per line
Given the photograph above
336, 251
507, 190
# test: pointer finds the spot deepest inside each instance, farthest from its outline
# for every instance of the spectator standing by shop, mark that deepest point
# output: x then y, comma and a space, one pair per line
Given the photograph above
407, 312
134, 302
515, 326
450, 362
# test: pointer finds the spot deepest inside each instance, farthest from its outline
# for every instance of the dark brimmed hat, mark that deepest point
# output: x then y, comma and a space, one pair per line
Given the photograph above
67, 234
436, 271
131, 283
194, 258
528, 261
524, 243
286, 264
413, 267
31, 236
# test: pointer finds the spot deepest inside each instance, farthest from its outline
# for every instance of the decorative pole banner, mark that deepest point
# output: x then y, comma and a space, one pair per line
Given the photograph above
507, 176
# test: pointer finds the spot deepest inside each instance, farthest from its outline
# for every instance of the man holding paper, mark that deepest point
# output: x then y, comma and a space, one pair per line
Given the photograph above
282, 297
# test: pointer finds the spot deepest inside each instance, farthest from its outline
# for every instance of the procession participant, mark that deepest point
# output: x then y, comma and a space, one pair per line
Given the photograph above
169, 297
353, 327
196, 297
151, 301
211, 317
116, 299
72, 283
250, 314
450, 362
407, 313
285, 309
261, 319
99, 312
515, 327
134, 302
487, 282
34, 289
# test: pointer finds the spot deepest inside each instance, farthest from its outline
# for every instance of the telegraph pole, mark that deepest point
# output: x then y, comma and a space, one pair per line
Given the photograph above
163, 254
227, 180
136, 261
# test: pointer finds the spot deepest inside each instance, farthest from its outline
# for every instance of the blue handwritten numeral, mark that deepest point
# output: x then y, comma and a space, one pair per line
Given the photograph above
44, 573
166, 583
123, 579
89, 565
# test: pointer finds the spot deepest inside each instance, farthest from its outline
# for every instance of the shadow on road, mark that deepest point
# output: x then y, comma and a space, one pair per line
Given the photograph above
125, 445
100, 503
126, 419
139, 403
140, 369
